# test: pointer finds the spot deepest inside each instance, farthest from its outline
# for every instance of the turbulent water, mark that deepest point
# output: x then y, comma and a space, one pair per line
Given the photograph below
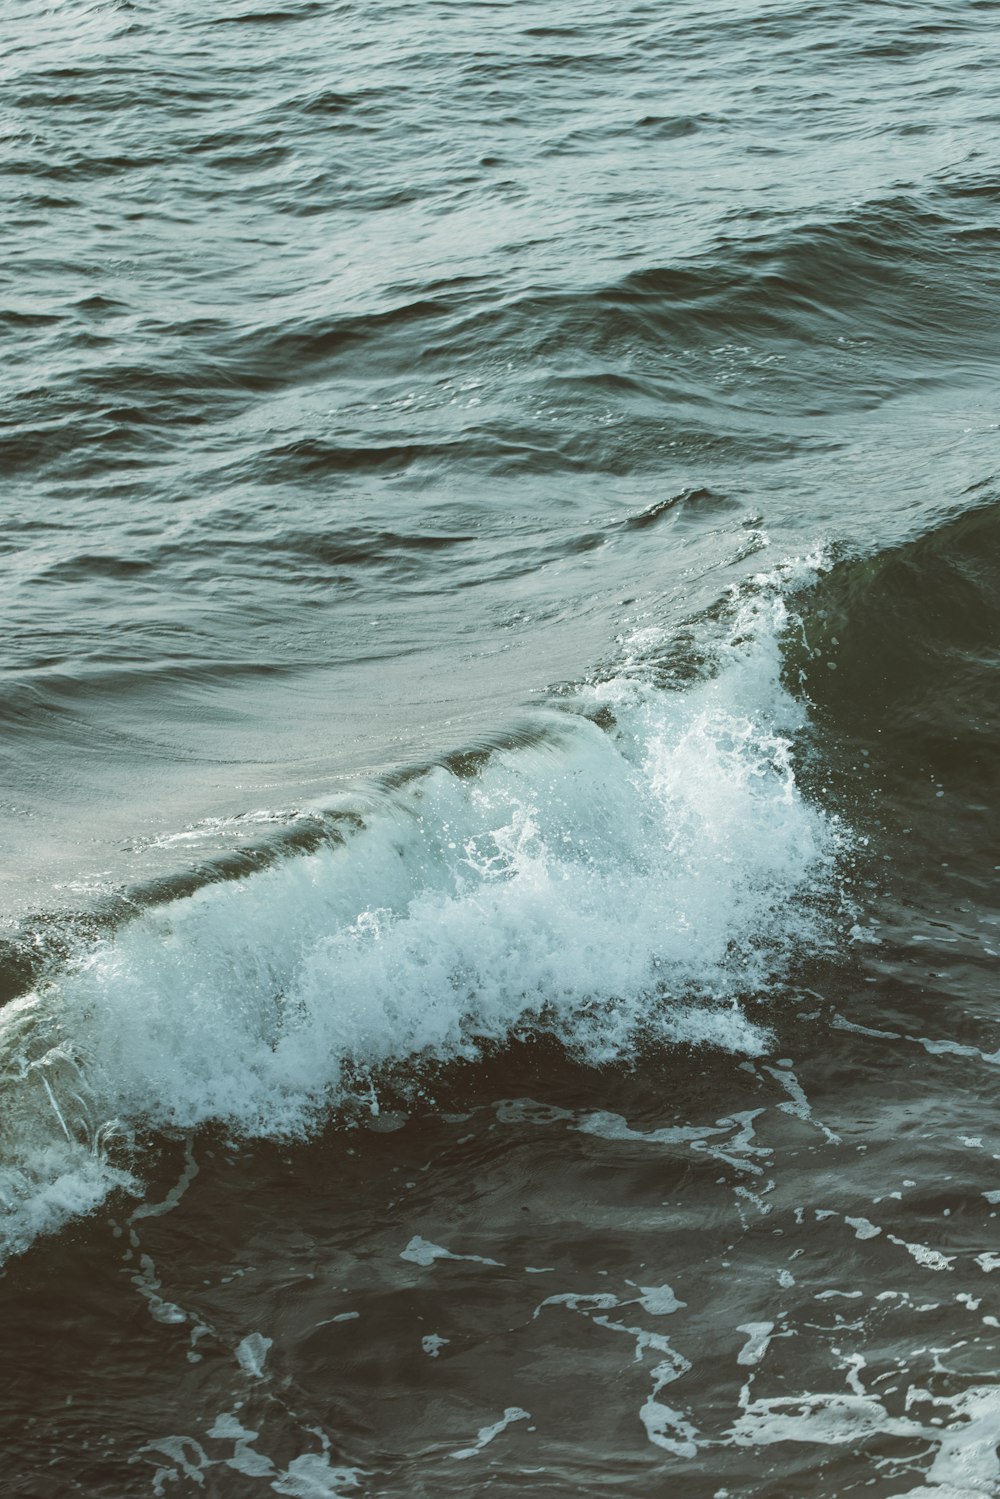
499, 635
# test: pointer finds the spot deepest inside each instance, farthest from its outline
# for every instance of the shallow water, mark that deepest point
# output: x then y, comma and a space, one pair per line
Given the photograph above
500, 719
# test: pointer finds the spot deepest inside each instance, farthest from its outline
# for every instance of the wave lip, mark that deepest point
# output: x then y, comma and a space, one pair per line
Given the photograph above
621, 880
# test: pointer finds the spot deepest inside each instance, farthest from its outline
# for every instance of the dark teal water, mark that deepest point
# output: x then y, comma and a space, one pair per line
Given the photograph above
500, 545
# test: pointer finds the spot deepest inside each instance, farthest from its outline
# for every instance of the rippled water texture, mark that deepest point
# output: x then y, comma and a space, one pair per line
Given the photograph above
499, 536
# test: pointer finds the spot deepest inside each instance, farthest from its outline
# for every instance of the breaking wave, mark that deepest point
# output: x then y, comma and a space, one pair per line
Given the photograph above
636, 865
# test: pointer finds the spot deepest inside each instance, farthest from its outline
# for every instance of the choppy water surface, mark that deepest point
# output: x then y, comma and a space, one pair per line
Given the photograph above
499, 638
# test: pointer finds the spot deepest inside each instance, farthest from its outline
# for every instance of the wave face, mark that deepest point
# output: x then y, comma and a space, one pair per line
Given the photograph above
931, 606
616, 888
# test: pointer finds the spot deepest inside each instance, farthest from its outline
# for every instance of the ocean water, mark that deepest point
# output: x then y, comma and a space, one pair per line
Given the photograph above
500, 734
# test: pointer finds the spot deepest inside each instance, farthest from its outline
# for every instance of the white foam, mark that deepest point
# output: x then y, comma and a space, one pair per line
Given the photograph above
863, 1227
931, 1259
660, 1301
311, 1477
613, 889
735, 1151
422, 1252
488, 1434
580, 1300
797, 1102
666, 1427
965, 1464
757, 1343
308, 1476
251, 1355
644, 1340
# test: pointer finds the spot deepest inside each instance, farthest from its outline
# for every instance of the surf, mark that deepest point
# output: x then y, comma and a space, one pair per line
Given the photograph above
622, 874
